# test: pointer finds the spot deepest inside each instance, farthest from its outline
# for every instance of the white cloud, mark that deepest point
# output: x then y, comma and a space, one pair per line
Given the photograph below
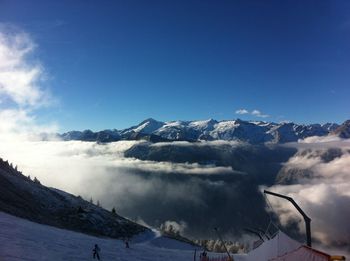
258, 113
242, 111
19, 78
321, 139
323, 192
21, 91
319, 142
19, 124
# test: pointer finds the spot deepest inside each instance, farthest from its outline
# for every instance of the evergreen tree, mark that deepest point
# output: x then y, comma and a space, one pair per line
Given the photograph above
36, 181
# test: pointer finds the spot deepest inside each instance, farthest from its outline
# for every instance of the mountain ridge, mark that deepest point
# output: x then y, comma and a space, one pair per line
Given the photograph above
255, 132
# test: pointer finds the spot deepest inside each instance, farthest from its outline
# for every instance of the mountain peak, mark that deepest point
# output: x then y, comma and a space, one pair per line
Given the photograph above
148, 120
148, 126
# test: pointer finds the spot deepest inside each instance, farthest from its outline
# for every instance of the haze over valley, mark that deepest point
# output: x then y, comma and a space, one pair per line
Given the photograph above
158, 121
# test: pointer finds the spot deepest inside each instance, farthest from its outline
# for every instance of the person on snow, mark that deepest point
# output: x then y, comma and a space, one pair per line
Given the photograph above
96, 252
203, 256
127, 243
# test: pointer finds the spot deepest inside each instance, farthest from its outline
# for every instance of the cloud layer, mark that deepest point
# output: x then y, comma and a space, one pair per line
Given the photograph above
198, 194
323, 190
157, 192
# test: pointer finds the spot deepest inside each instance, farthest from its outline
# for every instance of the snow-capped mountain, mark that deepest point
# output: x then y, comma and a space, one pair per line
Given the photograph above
254, 132
88, 135
148, 126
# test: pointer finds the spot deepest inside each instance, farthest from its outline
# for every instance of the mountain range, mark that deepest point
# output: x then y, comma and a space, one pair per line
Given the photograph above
254, 132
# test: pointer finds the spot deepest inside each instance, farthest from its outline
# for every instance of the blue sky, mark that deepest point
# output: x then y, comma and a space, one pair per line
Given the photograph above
111, 64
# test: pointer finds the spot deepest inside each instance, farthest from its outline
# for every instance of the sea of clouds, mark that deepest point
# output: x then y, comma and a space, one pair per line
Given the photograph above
137, 186
325, 196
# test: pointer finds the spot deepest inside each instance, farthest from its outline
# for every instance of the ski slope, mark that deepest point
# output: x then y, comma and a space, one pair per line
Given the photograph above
21, 239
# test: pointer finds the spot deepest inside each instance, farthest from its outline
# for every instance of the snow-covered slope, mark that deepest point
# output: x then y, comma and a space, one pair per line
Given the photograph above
148, 126
249, 131
21, 239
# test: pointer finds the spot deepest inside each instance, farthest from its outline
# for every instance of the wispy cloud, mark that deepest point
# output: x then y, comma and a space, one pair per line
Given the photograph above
242, 111
21, 80
258, 113
255, 113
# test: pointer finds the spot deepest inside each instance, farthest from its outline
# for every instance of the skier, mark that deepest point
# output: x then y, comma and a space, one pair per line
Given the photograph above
96, 252
127, 243
203, 256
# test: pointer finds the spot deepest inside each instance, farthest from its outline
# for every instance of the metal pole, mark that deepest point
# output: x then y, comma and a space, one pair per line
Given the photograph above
229, 256
254, 232
306, 218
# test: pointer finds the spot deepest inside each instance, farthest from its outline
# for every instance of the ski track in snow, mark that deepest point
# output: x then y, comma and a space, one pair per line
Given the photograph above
21, 239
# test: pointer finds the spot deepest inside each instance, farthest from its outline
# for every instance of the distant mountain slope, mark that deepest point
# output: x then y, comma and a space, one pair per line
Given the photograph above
20, 196
293, 172
254, 132
258, 161
343, 131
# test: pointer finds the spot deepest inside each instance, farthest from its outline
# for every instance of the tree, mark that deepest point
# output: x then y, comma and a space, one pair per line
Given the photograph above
36, 181
218, 247
113, 211
91, 201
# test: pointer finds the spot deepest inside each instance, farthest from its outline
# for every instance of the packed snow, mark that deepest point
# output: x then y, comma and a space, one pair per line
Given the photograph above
21, 239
